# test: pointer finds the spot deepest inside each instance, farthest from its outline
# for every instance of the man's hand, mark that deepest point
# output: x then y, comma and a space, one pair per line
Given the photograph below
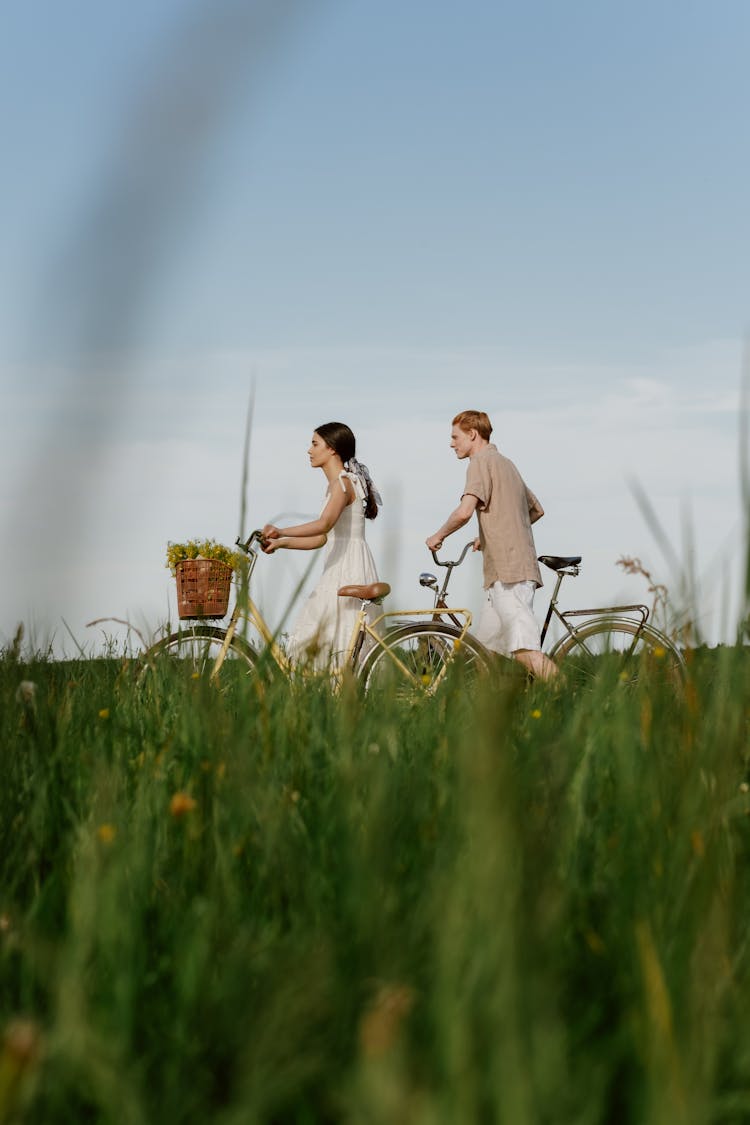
434, 543
477, 544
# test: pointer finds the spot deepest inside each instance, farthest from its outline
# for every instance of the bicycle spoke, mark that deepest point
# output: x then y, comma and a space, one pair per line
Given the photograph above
626, 651
195, 652
419, 658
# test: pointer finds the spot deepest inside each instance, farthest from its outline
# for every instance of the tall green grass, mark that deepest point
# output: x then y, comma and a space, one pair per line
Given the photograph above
277, 904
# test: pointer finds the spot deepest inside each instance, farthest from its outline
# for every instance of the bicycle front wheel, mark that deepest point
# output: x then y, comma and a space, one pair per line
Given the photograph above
418, 659
627, 650
195, 650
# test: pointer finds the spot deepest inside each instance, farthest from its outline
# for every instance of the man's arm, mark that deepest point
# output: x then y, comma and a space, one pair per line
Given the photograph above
456, 519
536, 511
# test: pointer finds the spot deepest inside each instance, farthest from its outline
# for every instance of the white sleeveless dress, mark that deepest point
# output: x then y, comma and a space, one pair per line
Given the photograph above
322, 632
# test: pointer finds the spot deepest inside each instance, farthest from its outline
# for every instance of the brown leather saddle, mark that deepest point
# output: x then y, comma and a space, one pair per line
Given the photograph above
375, 592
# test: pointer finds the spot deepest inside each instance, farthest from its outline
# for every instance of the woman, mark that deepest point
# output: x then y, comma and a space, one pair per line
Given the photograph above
323, 630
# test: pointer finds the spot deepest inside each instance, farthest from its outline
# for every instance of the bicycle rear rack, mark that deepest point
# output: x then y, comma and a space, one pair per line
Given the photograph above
609, 611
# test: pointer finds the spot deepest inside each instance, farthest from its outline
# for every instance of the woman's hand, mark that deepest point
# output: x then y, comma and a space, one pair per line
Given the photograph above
270, 539
271, 546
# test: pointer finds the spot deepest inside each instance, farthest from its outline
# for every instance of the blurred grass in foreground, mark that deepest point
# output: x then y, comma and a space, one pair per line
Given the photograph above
275, 905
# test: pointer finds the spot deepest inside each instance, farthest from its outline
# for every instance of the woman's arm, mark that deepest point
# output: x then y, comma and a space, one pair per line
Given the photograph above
316, 529
294, 543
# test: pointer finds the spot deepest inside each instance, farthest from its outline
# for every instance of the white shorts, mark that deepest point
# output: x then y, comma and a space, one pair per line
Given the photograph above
507, 622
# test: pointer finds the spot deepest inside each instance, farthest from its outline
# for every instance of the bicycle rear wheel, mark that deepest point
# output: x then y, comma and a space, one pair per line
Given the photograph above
626, 650
195, 649
418, 659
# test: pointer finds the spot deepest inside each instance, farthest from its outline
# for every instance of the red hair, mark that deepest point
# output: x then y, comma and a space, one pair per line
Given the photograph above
474, 420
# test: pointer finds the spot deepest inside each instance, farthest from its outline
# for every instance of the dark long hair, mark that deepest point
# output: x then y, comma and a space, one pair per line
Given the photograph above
341, 440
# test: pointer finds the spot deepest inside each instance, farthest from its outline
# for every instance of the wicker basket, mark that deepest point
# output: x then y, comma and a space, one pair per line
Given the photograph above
202, 587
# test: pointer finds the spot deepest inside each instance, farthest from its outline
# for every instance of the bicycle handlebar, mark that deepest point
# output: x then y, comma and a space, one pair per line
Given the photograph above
458, 561
246, 544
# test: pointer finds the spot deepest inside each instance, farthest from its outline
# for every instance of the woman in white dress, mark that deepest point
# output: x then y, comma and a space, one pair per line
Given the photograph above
323, 630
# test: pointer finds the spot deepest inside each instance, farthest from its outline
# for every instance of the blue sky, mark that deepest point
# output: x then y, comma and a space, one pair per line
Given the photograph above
382, 213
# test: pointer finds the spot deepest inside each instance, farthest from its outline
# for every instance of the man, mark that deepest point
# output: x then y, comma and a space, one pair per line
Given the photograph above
505, 510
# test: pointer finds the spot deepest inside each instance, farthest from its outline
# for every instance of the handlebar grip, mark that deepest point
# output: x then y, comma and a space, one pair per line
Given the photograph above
246, 544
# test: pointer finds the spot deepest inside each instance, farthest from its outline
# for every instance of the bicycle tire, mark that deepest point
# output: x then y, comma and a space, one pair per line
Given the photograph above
628, 649
198, 647
426, 651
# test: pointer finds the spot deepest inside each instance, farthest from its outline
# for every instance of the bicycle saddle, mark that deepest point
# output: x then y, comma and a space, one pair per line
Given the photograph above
555, 562
375, 592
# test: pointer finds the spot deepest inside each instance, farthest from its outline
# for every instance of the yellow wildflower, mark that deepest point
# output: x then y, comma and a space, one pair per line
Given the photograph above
21, 1042
380, 1024
181, 804
106, 833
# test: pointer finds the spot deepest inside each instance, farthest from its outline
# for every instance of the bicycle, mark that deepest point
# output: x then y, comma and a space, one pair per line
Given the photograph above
385, 653
619, 634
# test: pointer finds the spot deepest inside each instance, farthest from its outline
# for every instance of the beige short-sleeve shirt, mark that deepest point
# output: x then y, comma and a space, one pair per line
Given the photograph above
506, 511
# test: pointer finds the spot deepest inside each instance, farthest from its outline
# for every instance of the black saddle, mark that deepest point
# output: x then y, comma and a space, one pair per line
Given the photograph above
556, 562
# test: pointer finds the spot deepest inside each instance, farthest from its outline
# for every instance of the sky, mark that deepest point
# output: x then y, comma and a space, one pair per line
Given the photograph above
380, 214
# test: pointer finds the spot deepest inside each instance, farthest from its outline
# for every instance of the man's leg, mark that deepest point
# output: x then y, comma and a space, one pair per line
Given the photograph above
537, 663
488, 629
514, 605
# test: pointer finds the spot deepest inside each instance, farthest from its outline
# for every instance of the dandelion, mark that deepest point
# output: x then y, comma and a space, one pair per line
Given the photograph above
104, 713
26, 692
536, 713
106, 833
181, 804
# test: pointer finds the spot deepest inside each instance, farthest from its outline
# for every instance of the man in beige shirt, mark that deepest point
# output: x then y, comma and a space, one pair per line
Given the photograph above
505, 510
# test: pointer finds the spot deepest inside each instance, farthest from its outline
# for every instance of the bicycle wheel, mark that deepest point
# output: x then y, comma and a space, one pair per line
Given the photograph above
195, 649
624, 649
419, 658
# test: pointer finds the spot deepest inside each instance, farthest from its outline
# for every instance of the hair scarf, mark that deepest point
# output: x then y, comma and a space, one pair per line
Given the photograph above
359, 470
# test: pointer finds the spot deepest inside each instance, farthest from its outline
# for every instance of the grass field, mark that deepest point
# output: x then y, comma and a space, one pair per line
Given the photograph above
277, 905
